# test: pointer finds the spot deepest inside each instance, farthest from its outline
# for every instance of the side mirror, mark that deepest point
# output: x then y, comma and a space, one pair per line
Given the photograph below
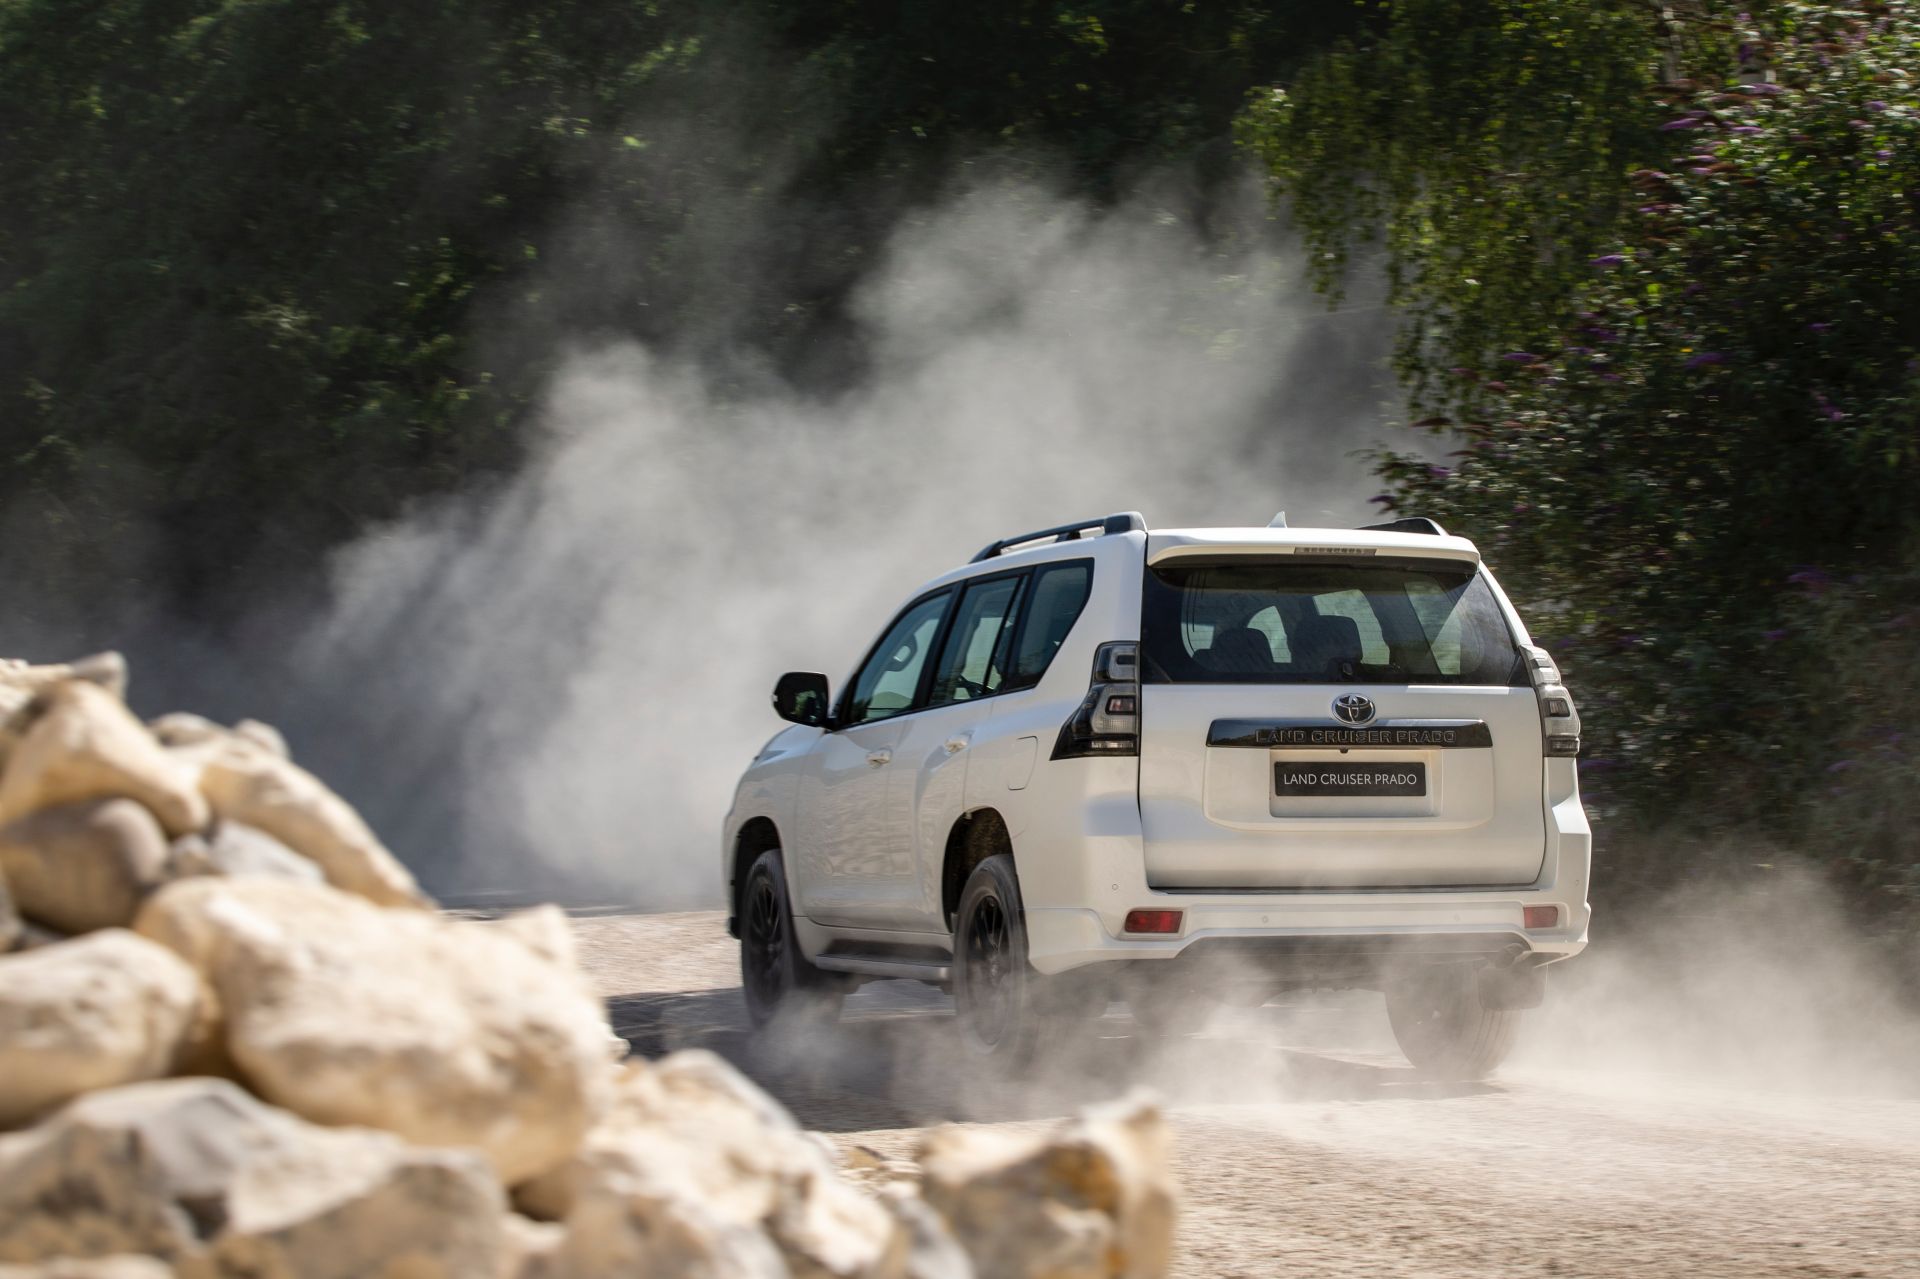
801, 696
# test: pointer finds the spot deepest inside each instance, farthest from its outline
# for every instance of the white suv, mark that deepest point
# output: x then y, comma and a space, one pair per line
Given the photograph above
1177, 767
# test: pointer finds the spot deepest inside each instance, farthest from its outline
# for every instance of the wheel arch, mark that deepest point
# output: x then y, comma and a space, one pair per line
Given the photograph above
757, 835
976, 836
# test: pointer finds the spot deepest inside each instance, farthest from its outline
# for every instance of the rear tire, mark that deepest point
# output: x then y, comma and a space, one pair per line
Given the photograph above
1444, 1029
779, 984
995, 992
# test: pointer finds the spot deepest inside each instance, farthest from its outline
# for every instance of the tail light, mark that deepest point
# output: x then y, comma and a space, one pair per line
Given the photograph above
1108, 720
1559, 720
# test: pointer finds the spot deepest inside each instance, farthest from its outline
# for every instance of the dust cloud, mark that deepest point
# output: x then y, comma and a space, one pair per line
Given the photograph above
576, 668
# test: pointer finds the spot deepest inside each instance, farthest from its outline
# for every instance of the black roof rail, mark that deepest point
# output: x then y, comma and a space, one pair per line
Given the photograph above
1125, 522
1410, 524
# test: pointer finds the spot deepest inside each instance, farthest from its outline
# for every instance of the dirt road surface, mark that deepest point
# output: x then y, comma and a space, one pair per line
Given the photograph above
1306, 1146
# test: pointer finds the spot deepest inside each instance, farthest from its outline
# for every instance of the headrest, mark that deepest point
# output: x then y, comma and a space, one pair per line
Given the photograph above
1322, 643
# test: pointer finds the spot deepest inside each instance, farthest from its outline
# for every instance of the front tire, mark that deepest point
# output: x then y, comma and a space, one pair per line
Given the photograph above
776, 978
1444, 1029
995, 993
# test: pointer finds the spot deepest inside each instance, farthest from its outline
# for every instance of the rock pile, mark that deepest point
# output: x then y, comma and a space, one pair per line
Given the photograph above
237, 1041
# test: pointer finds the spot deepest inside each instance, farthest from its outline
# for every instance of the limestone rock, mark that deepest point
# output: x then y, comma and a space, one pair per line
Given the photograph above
124, 1266
265, 736
105, 1009
217, 1184
694, 1150
85, 745
445, 1032
22, 683
78, 867
1095, 1201
10, 923
617, 1233
234, 848
247, 783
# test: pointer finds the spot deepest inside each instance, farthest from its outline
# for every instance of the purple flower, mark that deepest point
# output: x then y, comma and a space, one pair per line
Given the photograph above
1382, 499
1774, 636
1610, 377
1827, 408
1705, 358
1820, 326
1439, 472
1521, 357
1746, 129
1883, 155
1765, 89
1674, 126
1609, 259
1876, 105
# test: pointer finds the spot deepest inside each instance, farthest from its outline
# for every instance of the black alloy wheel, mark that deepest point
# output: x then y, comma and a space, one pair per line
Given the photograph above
1444, 1029
775, 977
994, 991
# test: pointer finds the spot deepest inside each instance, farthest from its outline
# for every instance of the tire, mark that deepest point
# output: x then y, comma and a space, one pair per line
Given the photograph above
1443, 1028
995, 993
778, 982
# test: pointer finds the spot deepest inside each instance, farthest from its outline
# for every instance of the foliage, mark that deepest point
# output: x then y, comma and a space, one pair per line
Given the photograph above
270, 268
1703, 481
1485, 142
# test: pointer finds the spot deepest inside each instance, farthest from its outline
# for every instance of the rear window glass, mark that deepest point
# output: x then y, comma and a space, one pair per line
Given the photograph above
1286, 621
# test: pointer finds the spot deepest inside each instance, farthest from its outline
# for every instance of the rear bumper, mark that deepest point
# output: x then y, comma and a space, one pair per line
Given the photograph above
1078, 886
1314, 936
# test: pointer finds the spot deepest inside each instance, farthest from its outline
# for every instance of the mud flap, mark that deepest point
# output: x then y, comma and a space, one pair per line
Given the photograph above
1513, 986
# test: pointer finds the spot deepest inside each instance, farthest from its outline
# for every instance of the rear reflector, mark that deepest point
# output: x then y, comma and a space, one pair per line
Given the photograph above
1542, 916
1158, 921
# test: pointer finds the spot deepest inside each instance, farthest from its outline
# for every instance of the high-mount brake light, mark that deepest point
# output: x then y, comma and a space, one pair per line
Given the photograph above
1107, 722
1559, 720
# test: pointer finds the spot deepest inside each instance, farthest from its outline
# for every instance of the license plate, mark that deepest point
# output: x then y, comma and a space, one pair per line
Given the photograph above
1367, 780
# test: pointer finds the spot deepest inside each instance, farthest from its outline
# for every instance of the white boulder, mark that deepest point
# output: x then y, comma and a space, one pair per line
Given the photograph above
85, 744
78, 867
694, 1153
249, 783
210, 1181
232, 848
1093, 1201
447, 1033
105, 1009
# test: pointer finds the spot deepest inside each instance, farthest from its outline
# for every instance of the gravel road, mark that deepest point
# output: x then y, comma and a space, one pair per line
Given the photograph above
1307, 1146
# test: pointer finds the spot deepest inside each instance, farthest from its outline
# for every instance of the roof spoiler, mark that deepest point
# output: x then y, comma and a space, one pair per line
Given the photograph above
1125, 522
1410, 524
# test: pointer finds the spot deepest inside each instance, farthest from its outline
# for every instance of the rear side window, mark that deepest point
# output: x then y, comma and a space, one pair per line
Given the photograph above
1055, 599
973, 663
1247, 620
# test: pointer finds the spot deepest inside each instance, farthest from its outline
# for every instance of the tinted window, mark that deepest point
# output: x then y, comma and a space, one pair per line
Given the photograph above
1054, 601
1272, 621
972, 664
890, 681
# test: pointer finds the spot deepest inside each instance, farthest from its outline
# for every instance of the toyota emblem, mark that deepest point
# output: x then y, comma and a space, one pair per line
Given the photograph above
1352, 708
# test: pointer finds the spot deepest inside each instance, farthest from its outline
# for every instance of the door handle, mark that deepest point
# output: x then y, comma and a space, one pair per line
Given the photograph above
958, 742
876, 758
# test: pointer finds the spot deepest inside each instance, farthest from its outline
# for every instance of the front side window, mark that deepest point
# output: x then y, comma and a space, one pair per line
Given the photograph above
889, 683
973, 662
1247, 620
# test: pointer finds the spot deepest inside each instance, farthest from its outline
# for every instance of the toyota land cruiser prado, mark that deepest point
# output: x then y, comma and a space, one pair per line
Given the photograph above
1177, 767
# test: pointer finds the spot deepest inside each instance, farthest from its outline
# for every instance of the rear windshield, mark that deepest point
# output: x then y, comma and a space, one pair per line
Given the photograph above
1250, 620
